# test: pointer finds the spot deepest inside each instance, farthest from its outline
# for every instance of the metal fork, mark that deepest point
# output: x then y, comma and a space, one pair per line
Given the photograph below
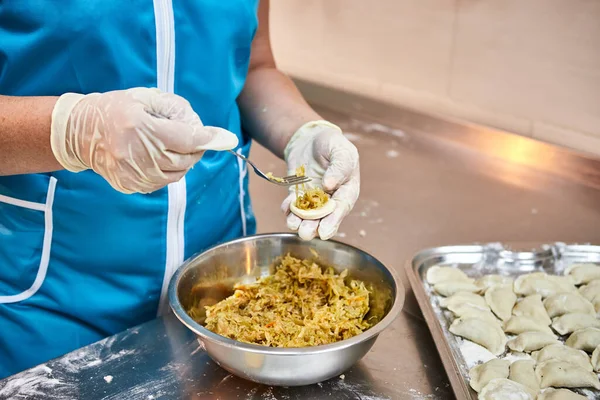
289, 180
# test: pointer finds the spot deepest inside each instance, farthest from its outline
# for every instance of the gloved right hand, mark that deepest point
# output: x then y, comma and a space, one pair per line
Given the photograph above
139, 139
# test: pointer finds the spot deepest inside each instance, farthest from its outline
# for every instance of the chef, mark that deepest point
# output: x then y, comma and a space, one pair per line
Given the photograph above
114, 121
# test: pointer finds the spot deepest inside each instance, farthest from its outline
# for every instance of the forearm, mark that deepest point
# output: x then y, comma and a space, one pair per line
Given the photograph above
25, 135
272, 108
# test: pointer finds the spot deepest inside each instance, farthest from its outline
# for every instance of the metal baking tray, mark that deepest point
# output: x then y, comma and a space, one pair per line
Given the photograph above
475, 261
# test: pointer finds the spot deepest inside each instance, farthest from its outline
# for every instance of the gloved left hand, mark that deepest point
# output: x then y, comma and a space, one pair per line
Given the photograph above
331, 161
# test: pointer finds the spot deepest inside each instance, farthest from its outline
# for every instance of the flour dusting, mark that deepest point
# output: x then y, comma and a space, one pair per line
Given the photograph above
34, 382
147, 390
416, 395
92, 356
89, 357
374, 127
474, 354
363, 391
268, 394
512, 357
250, 395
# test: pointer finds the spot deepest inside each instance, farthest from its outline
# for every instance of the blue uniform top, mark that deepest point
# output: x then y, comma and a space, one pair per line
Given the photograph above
79, 260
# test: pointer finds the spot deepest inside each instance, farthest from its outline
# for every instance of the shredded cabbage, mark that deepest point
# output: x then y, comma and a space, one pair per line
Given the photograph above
309, 199
300, 305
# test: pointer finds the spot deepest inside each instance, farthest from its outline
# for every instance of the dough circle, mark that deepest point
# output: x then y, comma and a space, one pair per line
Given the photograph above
317, 213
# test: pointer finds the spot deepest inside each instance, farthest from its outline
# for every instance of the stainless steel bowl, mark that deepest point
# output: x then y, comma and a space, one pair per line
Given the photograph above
213, 273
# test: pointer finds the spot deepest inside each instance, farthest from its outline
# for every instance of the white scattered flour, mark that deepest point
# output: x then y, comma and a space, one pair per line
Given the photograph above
416, 395
392, 154
34, 382
512, 357
56, 376
83, 359
474, 354
374, 127
155, 388
361, 390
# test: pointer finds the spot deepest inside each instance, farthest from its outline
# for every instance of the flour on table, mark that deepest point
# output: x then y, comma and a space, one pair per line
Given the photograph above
363, 391
34, 382
416, 395
392, 154
92, 356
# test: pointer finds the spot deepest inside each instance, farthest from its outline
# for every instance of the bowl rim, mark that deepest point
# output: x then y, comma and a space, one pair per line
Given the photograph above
210, 336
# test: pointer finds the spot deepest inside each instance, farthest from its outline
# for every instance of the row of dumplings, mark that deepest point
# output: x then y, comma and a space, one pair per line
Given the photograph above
535, 307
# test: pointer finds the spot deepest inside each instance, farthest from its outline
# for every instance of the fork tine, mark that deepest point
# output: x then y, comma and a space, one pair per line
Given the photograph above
285, 181
289, 183
297, 181
295, 178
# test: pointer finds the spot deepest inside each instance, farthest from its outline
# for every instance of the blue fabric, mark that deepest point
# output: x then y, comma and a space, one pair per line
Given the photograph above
108, 250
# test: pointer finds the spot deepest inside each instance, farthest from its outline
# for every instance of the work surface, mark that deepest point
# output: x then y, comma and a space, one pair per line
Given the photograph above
425, 182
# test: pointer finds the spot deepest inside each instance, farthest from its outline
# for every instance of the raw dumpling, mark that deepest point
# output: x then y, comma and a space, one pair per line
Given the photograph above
583, 273
591, 290
563, 374
463, 298
501, 300
586, 339
531, 341
596, 359
449, 288
480, 375
523, 371
573, 322
488, 281
561, 352
503, 389
518, 325
474, 312
460, 309
437, 274
532, 307
560, 394
543, 284
566, 303
482, 332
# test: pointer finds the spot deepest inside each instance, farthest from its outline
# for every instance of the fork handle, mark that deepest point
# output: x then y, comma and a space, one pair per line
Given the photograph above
238, 155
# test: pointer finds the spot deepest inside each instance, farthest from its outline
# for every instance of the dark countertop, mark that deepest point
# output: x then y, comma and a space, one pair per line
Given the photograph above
425, 182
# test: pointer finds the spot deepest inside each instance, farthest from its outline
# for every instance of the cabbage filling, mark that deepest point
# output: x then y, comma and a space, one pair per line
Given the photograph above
301, 304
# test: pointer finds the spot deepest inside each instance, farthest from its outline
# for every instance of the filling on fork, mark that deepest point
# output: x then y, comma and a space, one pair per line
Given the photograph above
274, 178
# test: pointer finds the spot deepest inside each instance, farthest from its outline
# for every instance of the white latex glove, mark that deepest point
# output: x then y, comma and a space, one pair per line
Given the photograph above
139, 139
331, 161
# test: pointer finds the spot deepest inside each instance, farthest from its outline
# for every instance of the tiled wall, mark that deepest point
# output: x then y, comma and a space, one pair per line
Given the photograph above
528, 66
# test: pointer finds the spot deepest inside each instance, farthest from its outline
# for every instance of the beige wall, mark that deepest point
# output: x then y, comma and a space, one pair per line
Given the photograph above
527, 66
